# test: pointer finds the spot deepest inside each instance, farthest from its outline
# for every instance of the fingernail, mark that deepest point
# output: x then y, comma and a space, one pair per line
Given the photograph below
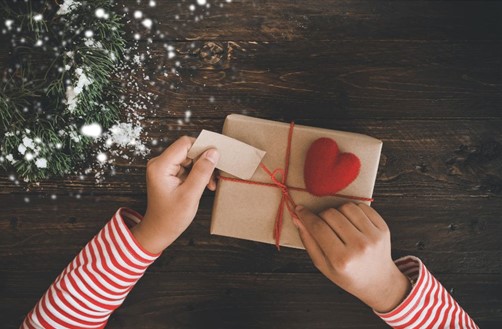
298, 208
213, 155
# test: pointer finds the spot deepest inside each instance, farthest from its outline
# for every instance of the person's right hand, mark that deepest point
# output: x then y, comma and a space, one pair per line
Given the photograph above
351, 247
174, 192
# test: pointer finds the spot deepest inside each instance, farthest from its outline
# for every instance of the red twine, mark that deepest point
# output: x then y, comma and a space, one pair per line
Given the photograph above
280, 183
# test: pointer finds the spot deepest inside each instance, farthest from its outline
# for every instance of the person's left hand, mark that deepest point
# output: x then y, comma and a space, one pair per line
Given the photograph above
174, 192
351, 247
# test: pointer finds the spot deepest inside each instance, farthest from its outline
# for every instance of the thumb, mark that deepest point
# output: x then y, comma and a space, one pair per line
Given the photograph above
201, 172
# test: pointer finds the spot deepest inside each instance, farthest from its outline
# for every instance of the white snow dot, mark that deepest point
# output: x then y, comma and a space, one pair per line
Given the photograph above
38, 43
152, 3
29, 156
28, 142
8, 23
191, 7
59, 146
67, 6
37, 17
101, 13
92, 130
171, 54
138, 14
102, 157
188, 114
54, 196
137, 36
211, 99
89, 34
21, 149
147, 22
26, 199
41, 163
201, 2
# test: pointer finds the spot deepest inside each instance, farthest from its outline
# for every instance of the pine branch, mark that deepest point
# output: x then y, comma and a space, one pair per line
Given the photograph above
36, 122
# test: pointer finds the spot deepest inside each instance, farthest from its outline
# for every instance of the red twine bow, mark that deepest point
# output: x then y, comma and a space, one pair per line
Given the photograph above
280, 183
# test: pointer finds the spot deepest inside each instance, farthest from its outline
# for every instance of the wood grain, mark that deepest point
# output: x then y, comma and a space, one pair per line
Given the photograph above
432, 157
400, 79
423, 76
263, 20
252, 300
456, 235
330, 79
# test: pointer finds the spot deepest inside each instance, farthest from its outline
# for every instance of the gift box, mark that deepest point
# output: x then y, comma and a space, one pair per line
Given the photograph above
302, 165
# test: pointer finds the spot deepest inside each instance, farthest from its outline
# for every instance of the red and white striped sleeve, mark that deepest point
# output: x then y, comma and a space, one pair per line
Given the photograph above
428, 305
97, 281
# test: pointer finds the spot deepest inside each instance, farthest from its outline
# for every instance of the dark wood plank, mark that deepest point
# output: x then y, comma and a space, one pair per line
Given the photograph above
452, 235
249, 300
423, 76
286, 301
262, 20
330, 79
326, 79
420, 157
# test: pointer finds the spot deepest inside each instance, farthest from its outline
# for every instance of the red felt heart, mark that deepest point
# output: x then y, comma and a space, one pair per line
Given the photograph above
328, 171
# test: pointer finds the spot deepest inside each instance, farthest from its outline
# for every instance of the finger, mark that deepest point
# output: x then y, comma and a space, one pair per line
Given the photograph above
310, 245
201, 172
340, 225
187, 162
182, 173
374, 217
357, 217
152, 160
212, 182
326, 238
175, 154
184, 168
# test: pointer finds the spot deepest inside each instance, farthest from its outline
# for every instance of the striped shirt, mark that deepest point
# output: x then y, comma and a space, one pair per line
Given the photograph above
428, 305
98, 280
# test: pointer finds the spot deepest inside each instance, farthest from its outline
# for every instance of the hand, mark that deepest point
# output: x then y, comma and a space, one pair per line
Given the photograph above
351, 247
173, 193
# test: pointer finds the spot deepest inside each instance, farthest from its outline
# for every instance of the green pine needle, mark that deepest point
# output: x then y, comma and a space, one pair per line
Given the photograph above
33, 90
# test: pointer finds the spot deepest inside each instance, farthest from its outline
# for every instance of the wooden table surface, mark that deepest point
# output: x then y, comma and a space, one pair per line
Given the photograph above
423, 76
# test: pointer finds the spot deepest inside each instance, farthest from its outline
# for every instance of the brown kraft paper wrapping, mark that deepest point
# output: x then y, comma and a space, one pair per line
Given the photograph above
248, 211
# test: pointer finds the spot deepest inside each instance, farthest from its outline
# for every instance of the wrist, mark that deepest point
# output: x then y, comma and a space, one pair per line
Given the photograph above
392, 293
148, 238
